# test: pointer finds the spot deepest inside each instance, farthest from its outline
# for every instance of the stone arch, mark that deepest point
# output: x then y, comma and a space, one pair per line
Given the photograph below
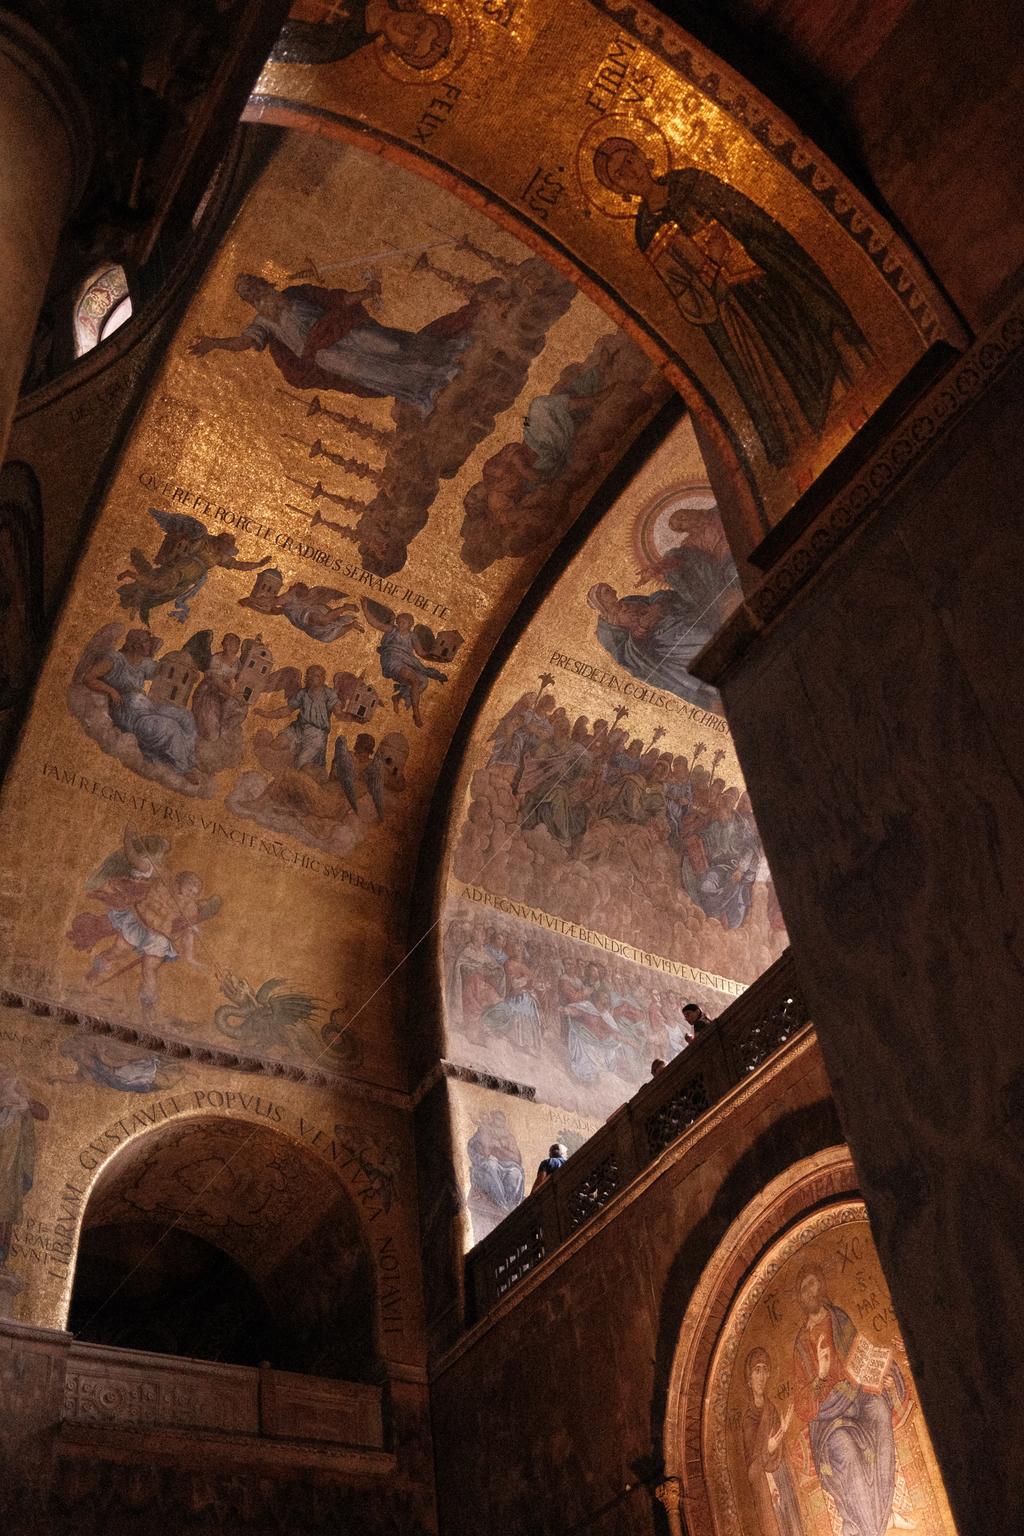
808, 1223
824, 1176
287, 1230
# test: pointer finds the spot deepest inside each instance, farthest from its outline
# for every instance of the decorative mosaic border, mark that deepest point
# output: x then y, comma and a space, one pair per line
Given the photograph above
786, 145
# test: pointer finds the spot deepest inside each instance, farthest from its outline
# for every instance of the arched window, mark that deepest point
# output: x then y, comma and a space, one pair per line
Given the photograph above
104, 304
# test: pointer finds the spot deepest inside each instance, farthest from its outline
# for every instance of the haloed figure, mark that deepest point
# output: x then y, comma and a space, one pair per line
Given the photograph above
316, 33
850, 1429
325, 338
781, 331
763, 1435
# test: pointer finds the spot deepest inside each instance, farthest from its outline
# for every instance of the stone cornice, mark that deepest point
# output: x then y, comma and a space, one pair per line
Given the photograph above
153, 1039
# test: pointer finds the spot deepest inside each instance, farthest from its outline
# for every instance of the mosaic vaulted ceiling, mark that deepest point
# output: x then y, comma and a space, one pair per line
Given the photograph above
490, 249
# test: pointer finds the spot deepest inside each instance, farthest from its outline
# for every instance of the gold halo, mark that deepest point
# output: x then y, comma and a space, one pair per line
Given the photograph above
647, 137
651, 537
392, 64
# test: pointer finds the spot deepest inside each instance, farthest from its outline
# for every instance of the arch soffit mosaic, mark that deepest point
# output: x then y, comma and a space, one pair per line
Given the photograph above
826, 1176
252, 1191
513, 120
758, 1435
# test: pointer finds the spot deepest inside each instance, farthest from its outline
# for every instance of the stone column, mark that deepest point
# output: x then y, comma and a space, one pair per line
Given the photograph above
873, 684
45, 149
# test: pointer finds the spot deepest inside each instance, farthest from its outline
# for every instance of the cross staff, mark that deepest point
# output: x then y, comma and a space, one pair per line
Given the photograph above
352, 466
316, 491
353, 424
357, 261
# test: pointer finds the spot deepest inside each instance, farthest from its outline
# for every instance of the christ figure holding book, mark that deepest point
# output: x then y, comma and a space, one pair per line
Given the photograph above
846, 1394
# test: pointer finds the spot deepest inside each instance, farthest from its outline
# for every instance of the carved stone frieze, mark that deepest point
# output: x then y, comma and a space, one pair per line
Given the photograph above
161, 1393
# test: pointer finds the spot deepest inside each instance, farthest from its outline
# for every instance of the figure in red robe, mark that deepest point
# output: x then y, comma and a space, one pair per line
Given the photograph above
324, 338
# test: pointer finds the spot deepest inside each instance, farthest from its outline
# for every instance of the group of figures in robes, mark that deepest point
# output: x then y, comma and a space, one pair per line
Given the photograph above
542, 996
115, 691
301, 791
655, 636
165, 732
498, 992
202, 734
599, 793
849, 1428
782, 333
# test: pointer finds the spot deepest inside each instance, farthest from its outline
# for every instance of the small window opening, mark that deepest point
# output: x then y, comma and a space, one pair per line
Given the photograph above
105, 305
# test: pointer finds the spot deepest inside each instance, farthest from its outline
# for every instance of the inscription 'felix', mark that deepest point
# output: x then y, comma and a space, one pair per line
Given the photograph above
437, 112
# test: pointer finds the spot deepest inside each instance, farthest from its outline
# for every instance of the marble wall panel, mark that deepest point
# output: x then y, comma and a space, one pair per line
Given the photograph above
876, 727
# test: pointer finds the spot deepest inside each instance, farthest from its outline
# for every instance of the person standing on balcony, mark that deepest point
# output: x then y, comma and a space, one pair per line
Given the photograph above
556, 1157
696, 1017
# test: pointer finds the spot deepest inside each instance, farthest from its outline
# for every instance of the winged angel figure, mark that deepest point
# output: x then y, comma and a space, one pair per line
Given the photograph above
152, 917
179, 568
405, 650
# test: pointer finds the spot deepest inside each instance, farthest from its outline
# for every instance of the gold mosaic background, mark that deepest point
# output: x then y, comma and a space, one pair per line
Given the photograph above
516, 109
262, 499
761, 1464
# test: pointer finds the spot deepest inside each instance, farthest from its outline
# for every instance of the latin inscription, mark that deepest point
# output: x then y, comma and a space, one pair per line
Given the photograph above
181, 496
619, 82
543, 190
602, 941
640, 692
50, 1245
210, 826
437, 112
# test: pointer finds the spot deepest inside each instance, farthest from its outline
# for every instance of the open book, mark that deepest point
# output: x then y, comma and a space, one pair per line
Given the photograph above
868, 1364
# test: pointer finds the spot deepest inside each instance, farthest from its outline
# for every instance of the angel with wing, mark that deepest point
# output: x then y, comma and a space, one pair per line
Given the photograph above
319, 801
165, 733
180, 567
152, 917
313, 704
404, 652
319, 612
218, 703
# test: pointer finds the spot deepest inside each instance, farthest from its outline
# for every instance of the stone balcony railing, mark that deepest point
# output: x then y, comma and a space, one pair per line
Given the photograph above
121, 1402
750, 1030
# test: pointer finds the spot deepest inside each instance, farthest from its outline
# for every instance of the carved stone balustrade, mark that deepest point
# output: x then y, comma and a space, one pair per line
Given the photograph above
764, 1018
124, 1403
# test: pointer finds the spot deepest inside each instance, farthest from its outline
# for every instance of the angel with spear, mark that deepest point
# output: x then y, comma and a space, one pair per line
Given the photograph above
152, 917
